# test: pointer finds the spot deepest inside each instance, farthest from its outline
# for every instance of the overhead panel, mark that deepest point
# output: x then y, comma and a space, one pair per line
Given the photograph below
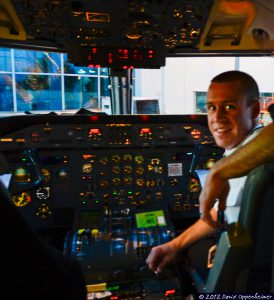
117, 34
137, 33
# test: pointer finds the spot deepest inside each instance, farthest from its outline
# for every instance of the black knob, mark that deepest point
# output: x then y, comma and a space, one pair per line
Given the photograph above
144, 271
119, 274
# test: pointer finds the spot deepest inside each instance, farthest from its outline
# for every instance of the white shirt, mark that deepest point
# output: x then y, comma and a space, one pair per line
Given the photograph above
234, 197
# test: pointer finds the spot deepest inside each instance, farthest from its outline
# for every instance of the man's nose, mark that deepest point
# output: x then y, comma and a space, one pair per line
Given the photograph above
219, 113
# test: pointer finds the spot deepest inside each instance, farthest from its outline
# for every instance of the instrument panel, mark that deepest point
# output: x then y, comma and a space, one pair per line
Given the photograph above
71, 170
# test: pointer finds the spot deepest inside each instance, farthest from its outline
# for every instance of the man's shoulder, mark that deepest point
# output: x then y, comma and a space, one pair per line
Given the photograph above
255, 131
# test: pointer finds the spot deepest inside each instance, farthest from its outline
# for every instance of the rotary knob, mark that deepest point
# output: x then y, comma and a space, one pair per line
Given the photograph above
144, 271
118, 274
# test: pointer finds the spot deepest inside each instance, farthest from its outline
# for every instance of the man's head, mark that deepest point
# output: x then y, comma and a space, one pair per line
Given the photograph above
233, 107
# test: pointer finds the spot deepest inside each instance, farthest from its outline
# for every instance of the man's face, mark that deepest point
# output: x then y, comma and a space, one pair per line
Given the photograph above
230, 119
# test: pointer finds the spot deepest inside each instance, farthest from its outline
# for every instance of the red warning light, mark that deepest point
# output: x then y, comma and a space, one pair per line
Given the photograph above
95, 131
169, 292
194, 117
110, 57
144, 118
94, 118
145, 130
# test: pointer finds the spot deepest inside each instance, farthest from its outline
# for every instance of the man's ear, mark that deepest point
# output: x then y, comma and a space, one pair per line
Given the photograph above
255, 109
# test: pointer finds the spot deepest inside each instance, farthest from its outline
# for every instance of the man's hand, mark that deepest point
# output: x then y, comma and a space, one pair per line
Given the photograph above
214, 188
211, 254
160, 257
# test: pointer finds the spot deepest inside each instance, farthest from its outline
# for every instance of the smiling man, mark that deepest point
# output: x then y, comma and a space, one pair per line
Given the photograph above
233, 107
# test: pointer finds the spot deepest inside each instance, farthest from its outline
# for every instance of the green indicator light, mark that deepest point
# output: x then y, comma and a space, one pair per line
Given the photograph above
113, 288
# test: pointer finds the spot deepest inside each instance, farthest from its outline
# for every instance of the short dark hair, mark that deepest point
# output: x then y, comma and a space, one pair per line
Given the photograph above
248, 83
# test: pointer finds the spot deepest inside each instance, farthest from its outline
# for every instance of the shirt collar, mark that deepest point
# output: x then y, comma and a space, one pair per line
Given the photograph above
230, 151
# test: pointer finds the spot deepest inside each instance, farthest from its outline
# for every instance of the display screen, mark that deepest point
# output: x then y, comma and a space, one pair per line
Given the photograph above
124, 58
22, 175
150, 219
184, 156
89, 215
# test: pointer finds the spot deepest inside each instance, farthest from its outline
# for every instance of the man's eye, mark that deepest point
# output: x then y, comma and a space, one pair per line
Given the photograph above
229, 107
210, 107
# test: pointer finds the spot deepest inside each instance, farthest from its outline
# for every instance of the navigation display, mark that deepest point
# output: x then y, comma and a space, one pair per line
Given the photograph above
150, 219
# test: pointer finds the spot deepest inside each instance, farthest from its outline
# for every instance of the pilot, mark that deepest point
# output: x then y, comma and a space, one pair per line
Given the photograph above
258, 151
232, 111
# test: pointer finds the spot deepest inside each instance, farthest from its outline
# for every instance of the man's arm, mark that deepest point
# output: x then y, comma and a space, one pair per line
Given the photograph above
162, 255
258, 151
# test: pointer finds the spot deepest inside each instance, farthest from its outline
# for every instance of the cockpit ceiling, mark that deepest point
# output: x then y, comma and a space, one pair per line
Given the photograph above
141, 32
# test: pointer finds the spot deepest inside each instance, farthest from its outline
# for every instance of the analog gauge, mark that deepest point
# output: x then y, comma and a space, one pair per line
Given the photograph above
127, 180
22, 199
139, 170
43, 211
116, 170
140, 182
127, 158
150, 183
160, 182
87, 168
116, 181
103, 160
150, 168
127, 169
103, 173
174, 181
116, 158
194, 185
160, 170
43, 193
104, 184
139, 159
